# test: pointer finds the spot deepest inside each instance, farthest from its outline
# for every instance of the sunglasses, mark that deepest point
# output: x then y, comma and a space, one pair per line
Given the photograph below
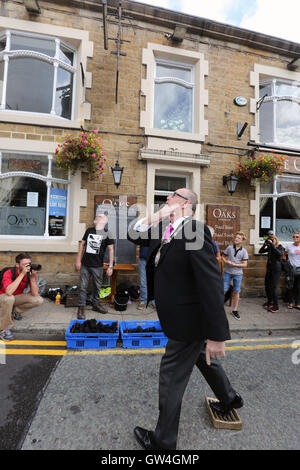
179, 195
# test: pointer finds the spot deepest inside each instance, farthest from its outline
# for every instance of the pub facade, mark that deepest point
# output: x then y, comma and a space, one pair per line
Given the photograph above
178, 100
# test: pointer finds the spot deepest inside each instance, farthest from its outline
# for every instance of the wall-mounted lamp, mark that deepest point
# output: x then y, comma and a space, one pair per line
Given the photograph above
241, 129
32, 6
117, 172
231, 181
294, 64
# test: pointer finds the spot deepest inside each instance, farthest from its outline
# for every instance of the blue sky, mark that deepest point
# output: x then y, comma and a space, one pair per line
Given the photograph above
279, 18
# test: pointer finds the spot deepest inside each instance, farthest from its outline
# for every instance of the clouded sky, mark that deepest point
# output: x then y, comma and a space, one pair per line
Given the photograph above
278, 18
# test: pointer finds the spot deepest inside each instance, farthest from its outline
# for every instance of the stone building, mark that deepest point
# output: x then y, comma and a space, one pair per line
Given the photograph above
184, 102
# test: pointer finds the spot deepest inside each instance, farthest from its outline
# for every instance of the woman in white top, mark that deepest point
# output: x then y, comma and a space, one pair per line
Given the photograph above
293, 252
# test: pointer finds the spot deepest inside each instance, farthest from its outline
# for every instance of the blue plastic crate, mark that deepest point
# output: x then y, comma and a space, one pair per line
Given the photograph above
142, 339
91, 340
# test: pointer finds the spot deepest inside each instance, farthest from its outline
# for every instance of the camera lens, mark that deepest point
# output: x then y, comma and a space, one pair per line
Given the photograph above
35, 267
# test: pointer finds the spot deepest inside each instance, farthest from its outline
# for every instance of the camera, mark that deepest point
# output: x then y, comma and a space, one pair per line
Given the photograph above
35, 267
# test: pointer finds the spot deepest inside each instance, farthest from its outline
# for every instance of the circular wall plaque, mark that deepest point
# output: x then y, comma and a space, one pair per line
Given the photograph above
240, 101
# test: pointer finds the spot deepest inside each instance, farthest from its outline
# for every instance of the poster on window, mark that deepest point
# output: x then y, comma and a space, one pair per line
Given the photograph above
58, 202
285, 229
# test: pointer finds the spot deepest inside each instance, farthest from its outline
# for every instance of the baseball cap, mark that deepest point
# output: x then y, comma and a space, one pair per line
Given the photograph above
270, 232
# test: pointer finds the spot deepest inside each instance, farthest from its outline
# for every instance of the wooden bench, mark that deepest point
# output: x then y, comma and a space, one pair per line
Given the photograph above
113, 283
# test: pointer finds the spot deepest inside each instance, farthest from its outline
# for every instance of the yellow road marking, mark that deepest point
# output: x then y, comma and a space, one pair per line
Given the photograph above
254, 340
38, 352
25, 342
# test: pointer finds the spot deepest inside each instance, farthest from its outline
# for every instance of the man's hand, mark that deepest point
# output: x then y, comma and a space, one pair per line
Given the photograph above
24, 269
109, 271
214, 350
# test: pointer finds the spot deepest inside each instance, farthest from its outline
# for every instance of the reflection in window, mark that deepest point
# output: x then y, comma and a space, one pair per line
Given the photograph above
173, 98
280, 211
28, 206
279, 114
31, 81
166, 185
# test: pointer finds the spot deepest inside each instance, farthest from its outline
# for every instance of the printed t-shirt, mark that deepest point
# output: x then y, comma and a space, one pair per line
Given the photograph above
294, 254
96, 243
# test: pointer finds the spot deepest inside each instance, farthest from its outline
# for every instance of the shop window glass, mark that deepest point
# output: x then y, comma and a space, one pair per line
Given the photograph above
280, 211
32, 205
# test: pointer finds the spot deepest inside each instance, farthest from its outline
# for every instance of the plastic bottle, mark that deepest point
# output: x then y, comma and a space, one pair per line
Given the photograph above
57, 298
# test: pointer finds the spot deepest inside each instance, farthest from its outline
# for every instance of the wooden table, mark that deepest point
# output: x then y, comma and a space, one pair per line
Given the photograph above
113, 282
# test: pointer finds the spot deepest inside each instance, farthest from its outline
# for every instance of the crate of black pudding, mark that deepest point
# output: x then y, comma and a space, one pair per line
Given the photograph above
143, 334
92, 334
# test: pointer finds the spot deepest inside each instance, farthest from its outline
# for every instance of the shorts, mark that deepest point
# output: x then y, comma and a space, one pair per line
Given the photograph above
237, 281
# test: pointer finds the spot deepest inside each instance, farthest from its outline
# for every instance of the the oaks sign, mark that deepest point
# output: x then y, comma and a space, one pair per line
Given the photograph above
225, 220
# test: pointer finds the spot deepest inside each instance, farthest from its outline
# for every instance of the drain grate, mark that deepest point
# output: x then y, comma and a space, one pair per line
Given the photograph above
219, 421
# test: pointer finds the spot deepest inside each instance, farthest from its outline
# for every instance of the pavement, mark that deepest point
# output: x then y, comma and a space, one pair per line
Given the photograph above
50, 318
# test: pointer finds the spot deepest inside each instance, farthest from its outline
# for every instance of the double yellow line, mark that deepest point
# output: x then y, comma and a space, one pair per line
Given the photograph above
7, 347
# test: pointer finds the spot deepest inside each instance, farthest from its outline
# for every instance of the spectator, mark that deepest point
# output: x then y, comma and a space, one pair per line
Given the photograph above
236, 260
216, 246
90, 263
13, 301
293, 253
274, 268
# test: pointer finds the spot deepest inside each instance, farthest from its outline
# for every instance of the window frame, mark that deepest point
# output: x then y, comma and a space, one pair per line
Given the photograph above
259, 73
56, 62
188, 58
275, 195
189, 85
48, 179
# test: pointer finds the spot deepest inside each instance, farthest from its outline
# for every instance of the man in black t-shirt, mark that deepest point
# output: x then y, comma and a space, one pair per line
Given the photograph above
90, 262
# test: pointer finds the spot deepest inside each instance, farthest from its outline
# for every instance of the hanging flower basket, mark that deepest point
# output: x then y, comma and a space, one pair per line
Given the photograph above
83, 152
263, 167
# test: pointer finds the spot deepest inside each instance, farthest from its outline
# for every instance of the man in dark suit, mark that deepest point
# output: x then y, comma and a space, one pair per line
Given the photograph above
183, 277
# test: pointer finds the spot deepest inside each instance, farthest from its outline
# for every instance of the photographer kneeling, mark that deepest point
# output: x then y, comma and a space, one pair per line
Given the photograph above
13, 302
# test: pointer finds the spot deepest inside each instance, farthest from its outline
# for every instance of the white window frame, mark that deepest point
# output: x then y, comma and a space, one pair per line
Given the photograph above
255, 239
69, 37
6, 54
256, 77
155, 52
47, 180
178, 81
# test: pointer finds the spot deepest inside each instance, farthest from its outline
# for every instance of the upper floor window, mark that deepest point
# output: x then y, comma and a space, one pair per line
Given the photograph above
174, 96
36, 74
279, 114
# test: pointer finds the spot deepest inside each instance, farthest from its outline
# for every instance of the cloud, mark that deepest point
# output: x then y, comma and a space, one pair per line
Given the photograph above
275, 18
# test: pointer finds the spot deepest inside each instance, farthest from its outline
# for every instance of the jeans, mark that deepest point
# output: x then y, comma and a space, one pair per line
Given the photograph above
143, 280
237, 281
85, 274
271, 281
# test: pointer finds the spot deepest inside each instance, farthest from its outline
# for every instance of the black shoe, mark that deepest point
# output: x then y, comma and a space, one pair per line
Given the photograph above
236, 314
17, 316
145, 438
100, 308
80, 313
219, 407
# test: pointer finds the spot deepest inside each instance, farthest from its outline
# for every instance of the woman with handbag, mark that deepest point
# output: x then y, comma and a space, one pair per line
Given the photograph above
293, 253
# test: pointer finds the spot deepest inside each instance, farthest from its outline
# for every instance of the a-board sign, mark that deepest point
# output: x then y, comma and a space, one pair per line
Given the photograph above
121, 211
225, 220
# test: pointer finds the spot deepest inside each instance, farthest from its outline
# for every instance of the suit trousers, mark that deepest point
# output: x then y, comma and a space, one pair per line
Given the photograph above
175, 371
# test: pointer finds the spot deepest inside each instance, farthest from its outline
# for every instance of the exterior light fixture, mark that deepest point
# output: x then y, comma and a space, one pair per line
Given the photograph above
32, 6
179, 33
294, 64
117, 172
231, 182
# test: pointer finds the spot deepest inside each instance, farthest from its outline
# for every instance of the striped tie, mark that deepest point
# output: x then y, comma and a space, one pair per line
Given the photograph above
168, 231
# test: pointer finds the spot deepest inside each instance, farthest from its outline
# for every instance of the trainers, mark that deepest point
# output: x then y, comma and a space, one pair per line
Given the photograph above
6, 335
273, 308
141, 306
235, 314
17, 316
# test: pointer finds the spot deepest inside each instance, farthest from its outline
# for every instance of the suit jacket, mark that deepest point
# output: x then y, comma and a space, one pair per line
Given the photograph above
186, 283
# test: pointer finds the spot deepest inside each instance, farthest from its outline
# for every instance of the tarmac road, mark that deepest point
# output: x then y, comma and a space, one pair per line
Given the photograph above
93, 401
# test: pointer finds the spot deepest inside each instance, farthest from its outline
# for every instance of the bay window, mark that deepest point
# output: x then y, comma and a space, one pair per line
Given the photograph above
280, 207
279, 113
